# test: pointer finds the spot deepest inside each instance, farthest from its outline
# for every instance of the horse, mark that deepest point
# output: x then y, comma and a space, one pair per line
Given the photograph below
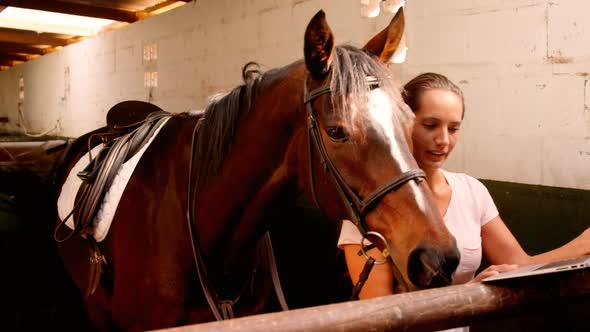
183, 244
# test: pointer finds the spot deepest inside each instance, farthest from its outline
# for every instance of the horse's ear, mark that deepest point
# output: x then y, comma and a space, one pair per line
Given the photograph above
384, 44
318, 46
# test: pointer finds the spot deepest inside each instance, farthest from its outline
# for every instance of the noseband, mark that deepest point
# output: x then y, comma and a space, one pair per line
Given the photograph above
357, 207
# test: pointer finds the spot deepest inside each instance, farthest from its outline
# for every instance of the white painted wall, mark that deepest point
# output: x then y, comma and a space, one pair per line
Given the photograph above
523, 65
524, 68
202, 49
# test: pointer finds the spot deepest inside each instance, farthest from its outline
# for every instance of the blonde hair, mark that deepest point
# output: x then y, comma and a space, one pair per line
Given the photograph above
417, 86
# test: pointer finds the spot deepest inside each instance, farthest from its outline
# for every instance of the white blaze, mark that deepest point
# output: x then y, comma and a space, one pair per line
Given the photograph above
381, 110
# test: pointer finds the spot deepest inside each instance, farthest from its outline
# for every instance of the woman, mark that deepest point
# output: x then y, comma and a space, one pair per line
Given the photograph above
468, 209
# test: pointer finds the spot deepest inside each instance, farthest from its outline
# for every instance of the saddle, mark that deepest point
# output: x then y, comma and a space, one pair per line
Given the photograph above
130, 125
122, 119
128, 114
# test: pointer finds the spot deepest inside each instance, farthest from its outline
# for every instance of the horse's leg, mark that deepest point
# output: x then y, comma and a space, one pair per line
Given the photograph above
76, 258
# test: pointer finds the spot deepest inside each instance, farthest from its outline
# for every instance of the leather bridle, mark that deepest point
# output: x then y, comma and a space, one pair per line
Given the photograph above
357, 206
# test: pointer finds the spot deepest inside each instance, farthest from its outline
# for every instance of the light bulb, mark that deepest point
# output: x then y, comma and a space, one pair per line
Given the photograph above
391, 6
370, 8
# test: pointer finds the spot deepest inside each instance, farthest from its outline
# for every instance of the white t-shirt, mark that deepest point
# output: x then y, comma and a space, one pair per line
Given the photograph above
470, 207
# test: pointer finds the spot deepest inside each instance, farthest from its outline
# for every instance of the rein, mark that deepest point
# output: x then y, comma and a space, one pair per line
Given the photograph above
356, 206
222, 309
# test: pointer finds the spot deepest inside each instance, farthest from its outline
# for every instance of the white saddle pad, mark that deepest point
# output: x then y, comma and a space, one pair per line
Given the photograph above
106, 211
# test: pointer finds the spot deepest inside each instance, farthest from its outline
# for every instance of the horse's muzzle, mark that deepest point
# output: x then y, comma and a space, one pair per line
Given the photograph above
429, 267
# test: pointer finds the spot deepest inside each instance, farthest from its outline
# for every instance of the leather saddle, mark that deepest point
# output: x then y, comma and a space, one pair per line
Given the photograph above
130, 125
129, 114
123, 118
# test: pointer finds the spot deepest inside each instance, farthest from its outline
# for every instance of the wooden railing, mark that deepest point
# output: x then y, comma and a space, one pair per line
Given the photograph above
425, 310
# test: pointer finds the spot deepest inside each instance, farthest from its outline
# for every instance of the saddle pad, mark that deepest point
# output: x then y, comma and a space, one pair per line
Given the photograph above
108, 207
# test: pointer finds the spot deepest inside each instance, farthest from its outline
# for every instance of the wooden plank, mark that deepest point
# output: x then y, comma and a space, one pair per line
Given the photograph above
75, 9
8, 63
17, 57
30, 38
426, 310
21, 48
160, 5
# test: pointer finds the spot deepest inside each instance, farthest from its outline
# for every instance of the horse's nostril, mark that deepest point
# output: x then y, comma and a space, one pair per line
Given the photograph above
424, 265
451, 261
429, 267
429, 263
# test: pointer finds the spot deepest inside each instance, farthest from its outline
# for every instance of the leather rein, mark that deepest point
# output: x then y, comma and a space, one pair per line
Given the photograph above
222, 308
357, 207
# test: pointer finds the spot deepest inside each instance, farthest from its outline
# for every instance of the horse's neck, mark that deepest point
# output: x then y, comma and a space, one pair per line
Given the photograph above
231, 209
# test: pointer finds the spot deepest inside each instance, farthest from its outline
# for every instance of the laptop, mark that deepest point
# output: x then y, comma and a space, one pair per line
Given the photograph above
545, 268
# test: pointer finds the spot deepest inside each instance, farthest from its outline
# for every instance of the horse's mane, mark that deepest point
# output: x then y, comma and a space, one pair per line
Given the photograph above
220, 121
350, 68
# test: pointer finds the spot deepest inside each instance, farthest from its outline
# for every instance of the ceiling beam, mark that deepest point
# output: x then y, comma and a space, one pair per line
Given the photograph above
75, 9
161, 5
14, 57
20, 48
8, 63
29, 37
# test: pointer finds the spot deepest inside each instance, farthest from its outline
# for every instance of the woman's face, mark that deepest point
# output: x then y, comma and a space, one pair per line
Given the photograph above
436, 130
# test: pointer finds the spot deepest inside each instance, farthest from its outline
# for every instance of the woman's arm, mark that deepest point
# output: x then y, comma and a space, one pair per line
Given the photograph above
501, 247
380, 281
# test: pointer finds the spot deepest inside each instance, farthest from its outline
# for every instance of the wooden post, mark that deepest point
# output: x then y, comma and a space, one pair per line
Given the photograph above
425, 310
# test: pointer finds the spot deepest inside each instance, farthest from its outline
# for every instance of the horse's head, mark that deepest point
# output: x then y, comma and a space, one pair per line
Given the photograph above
359, 130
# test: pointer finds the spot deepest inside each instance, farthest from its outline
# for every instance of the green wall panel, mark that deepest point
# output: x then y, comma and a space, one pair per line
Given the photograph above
541, 217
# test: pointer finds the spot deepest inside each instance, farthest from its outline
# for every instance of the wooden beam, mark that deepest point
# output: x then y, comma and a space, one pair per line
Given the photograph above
75, 9
8, 63
29, 37
426, 310
20, 48
161, 5
15, 57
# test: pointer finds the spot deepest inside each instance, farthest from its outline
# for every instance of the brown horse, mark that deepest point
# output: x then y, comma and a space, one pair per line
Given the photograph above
332, 127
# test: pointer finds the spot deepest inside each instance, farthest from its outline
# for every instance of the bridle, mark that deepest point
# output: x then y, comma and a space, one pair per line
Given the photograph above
357, 206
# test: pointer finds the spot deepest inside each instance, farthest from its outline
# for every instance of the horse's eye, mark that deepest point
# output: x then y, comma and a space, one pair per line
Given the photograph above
337, 134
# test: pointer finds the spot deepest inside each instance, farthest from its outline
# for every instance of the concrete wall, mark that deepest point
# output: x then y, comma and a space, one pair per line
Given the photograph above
523, 65
202, 48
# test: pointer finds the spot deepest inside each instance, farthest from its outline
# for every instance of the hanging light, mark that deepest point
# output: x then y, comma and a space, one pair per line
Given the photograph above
391, 6
370, 8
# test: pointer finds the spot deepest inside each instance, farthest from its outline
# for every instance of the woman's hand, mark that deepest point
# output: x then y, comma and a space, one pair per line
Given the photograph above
586, 241
492, 270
